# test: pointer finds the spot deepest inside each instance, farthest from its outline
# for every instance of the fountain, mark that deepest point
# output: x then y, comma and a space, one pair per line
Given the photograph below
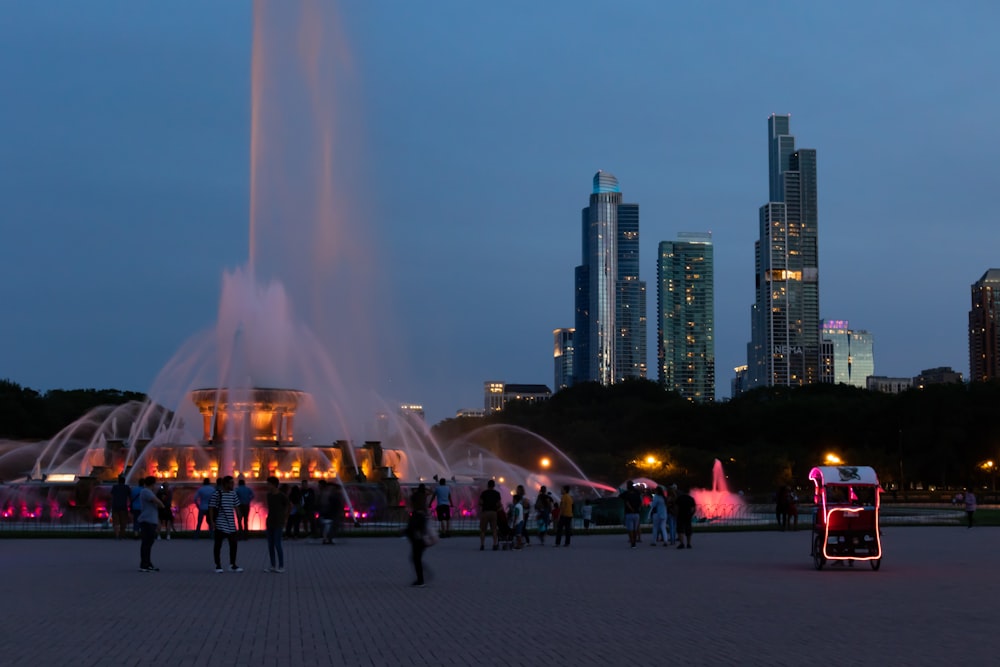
281, 384
718, 503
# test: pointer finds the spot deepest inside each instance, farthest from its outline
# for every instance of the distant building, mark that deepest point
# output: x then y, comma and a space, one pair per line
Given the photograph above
499, 394
888, 385
609, 342
738, 385
984, 318
784, 348
939, 375
849, 358
685, 298
563, 358
471, 412
412, 410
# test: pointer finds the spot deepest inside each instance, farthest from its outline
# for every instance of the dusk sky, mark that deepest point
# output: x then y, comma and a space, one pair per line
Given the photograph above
469, 133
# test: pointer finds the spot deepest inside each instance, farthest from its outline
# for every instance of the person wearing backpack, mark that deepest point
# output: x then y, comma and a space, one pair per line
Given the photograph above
543, 512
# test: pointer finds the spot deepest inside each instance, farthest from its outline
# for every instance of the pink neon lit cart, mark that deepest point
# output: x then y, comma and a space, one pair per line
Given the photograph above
846, 525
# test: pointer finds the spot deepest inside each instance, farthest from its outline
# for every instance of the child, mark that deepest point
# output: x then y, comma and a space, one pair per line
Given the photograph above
588, 513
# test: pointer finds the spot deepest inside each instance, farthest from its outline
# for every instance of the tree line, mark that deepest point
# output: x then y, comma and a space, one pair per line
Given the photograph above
26, 414
940, 436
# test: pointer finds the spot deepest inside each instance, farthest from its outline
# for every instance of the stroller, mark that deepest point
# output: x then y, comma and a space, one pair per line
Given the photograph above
505, 533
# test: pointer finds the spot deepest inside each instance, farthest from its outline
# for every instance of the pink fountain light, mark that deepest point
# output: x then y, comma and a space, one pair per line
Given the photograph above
718, 503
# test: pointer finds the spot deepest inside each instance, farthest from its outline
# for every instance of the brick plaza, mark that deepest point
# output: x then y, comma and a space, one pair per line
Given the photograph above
741, 598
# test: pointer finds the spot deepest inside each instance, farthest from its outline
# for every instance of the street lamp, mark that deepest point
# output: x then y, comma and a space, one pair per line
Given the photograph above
545, 462
832, 459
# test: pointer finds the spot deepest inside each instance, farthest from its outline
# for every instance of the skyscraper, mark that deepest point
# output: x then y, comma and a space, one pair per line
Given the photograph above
562, 355
784, 346
850, 358
685, 298
984, 318
610, 337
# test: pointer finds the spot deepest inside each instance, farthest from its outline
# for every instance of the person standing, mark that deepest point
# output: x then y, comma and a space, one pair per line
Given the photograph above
970, 505
245, 495
328, 511
309, 509
202, 497
442, 496
416, 530
588, 514
277, 516
672, 513
295, 517
517, 522
658, 513
120, 496
489, 504
223, 520
543, 512
686, 508
166, 496
148, 520
135, 503
565, 524
632, 503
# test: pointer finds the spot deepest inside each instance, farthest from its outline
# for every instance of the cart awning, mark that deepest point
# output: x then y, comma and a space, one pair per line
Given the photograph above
844, 475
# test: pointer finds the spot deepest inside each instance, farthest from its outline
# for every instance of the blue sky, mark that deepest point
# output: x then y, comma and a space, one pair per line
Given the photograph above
470, 134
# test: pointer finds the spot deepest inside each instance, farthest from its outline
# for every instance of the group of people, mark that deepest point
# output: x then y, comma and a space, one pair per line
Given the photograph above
671, 512
225, 508
128, 502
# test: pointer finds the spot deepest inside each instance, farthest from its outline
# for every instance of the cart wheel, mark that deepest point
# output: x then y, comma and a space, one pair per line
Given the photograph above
818, 559
876, 564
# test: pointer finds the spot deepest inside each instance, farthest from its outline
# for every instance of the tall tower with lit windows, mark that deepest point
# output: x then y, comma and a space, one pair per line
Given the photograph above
609, 341
785, 348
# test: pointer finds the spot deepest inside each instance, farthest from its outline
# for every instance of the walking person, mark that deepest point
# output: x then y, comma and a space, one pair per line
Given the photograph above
632, 502
970, 505
274, 524
489, 504
120, 496
329, 515
148, 520
245, 495
202, 497
442, 496
416, 532
565, 524
658, 514
686, 508
223, 520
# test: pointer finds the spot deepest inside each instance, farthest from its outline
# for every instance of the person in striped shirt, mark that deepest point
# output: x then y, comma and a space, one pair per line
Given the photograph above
222, 513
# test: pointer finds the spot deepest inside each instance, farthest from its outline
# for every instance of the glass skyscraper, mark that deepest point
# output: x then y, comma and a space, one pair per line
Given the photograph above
850, 355
609, 344
562, 355
685, 353
984, 328
784, 348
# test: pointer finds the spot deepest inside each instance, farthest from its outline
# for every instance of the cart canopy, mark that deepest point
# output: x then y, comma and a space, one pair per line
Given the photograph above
844, 476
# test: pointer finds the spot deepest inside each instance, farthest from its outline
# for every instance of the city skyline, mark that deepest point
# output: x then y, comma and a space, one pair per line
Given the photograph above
465, 132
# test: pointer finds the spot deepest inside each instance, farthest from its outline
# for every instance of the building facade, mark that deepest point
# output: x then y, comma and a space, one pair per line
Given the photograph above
610, 332
685, 299
785, 346
562, 355
984, 342
498, 394
848, 356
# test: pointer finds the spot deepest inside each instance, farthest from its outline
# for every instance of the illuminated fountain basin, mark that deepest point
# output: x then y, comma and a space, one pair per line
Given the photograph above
719, 504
